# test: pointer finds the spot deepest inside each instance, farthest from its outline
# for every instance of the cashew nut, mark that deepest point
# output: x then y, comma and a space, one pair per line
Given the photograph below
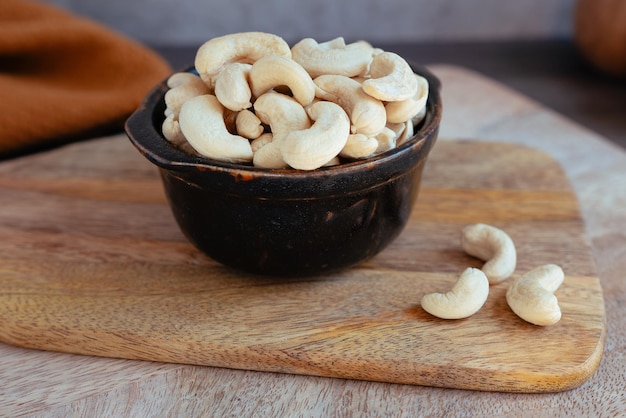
359, 146
332, 57
248, 124
171, 131
467, 296
269, 156
273, 71
182, 86
246, 47
403, 131
333, 161
387, 139
409, 130
311, 148
231, 86
401, 111
392, 78
261, 141
367, 114
201, 121
492, 245
531, 296
283, 114
337, 42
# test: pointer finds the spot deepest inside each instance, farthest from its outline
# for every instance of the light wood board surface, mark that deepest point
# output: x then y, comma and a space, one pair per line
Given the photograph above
363, 323
77, 174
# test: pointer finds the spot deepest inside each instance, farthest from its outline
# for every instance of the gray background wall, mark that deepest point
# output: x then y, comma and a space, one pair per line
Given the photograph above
171, 22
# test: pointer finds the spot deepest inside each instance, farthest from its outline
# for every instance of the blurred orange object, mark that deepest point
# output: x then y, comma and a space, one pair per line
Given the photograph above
64, 77
600, 33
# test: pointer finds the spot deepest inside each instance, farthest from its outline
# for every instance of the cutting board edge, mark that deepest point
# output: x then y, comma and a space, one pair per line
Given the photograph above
465, 378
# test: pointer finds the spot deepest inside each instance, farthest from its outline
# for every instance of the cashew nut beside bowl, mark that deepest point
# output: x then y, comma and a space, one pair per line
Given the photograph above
493, 246
531, 296
466, 297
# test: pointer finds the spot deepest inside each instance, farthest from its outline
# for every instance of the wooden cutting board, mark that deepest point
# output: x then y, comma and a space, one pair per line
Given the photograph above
92, 262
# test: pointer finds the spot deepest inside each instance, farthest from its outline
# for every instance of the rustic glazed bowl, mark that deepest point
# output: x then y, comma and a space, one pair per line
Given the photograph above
288, 222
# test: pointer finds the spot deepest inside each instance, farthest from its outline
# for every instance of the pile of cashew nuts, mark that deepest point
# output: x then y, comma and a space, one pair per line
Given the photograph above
530, 296
257, 100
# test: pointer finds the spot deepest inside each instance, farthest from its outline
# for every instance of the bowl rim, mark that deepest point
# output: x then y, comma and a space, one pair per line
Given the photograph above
141, 129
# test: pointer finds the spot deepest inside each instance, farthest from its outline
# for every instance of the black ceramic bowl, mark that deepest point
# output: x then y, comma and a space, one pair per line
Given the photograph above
288, 222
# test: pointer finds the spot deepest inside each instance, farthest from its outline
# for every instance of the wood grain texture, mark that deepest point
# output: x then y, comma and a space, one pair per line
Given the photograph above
94, 264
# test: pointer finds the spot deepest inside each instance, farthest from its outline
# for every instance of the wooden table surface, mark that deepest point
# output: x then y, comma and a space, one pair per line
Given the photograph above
54, 384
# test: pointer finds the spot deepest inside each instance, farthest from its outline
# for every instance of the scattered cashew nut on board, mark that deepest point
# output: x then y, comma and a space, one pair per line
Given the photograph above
492, 245
532, 298
466, 297
248, 124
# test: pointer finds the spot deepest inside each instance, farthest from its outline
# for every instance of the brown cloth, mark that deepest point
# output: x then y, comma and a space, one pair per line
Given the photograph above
64, 77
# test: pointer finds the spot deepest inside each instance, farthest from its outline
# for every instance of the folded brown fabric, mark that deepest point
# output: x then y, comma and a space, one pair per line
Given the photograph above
64, 77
